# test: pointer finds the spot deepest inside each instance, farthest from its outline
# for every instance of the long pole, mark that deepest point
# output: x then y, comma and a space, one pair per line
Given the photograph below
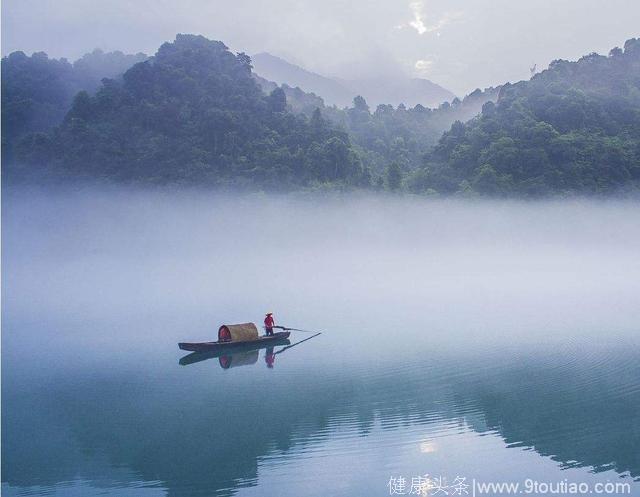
284, 328
297, 343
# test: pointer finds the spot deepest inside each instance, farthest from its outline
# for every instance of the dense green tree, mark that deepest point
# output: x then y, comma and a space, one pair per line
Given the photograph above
393, 176
388, 134
36, 94
574, 128
193, 113
277, 100
37, 91
91, 68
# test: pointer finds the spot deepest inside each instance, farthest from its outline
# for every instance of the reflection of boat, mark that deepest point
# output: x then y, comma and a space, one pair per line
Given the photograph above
238, 348
230, 336
263, 341
243, 354
239, 359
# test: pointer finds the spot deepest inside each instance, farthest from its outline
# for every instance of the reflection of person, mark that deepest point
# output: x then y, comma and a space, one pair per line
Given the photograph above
269, 357
269, 323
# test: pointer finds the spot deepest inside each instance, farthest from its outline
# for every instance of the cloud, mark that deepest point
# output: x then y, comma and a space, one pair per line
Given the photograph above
419, 17
350, 40
423, 66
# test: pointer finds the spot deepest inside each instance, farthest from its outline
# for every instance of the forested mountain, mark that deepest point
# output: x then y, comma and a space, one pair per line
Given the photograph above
402, 135
91, 68
36, 95
394, 89
574, 128
298, 101
388, 134
192, 114
195, 113
37, 91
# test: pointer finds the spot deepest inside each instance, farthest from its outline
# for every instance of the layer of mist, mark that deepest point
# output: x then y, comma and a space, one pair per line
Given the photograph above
485, 269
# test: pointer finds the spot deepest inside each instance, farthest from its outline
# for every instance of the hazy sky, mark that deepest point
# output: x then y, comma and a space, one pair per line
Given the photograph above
460, 44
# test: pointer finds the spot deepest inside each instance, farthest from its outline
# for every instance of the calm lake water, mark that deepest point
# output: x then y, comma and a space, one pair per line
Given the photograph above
461, 340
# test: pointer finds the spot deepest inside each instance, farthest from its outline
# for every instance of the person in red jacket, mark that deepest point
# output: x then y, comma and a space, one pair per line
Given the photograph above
269, 323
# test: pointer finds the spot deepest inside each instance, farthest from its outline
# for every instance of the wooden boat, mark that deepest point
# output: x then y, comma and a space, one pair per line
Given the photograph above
261, 342
236, 336
239, 348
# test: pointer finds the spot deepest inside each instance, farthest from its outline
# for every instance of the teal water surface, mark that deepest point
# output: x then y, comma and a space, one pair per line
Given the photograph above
495, 342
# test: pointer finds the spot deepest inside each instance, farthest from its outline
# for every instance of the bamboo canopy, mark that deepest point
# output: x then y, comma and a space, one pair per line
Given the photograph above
238, 332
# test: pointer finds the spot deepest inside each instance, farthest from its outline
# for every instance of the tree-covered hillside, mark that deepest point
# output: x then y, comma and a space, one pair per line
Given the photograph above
192, 114
36, 94
196, 114
37, 91
388, 134
93, 67
574, 128
403, 135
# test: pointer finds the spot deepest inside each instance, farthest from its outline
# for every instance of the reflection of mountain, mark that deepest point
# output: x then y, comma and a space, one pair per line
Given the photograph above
586, 415
199, 436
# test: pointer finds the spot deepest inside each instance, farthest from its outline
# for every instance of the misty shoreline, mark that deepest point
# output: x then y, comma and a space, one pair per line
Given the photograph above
12, 188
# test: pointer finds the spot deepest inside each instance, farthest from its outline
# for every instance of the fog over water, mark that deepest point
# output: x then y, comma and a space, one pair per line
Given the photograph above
494, 339
487, 268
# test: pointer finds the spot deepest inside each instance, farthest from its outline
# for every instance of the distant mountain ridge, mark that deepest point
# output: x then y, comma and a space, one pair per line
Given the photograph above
280, 71
407, 91
340, 92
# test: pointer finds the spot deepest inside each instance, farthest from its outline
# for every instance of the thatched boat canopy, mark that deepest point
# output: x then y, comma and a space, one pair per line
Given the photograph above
238, 332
